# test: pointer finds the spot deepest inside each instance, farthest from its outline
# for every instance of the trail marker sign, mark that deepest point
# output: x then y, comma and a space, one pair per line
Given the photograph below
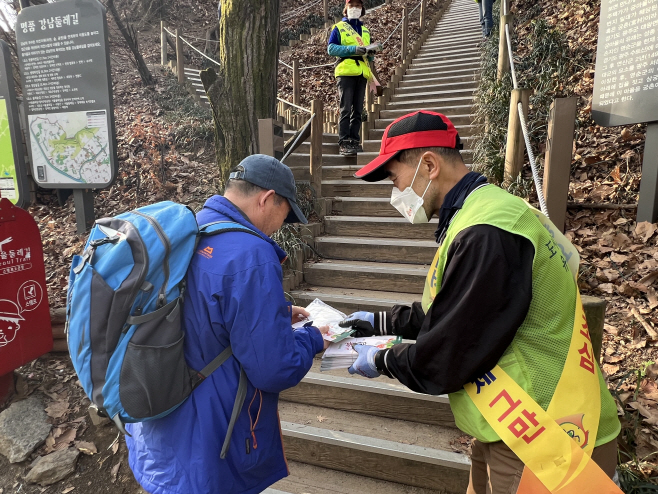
626, 83
13, 174
65, 63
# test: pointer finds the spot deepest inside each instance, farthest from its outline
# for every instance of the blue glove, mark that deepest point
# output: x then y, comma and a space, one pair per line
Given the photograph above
363, 324
365, 363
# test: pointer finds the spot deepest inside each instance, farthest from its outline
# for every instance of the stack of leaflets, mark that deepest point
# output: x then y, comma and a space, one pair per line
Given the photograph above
342, 355
322, 314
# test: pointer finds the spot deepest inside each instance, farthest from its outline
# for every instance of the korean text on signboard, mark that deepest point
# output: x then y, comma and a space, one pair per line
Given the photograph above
64, 61
626, 80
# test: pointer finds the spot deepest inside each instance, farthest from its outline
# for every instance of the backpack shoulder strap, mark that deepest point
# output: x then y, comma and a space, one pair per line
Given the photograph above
217, 227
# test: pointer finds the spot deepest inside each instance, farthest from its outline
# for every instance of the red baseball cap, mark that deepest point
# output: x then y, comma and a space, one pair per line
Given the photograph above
421, 129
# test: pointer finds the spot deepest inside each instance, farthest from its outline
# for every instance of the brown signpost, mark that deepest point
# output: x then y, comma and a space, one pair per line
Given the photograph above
626, 83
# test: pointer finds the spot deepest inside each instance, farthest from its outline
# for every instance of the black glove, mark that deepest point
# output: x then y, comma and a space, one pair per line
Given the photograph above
362, 328
360, 50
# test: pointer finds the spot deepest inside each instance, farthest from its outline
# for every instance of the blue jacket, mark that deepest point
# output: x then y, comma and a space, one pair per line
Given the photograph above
234, 295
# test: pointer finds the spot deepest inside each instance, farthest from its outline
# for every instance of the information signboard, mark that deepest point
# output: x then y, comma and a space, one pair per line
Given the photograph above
626, 79
25, 331
13, 174
65, 64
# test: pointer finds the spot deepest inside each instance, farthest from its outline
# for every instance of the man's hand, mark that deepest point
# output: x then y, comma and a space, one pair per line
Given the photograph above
324, 330
374, 48
360, 50
365, 363
363, 323
299, 314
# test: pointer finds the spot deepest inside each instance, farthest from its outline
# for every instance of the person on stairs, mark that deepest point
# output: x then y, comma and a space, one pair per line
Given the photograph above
500, 327
234, 296
350, 42
486, 16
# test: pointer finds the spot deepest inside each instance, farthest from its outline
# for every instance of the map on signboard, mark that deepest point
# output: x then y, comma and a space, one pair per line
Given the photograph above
70, 147
7, 167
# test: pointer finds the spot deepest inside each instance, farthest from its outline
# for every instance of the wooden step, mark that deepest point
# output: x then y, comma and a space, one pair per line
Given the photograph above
457, 119
445, 56
349, 300
457, 50
310, 479
440, 75
327, 148
378, 458
409, 90
427, 104
373, 249
448, 67
303, 159
459, 76
382, 397
444, 36
462, 113
364, 206
437, 92
326, 138
382, 227
402, 278
440, 64
356, 188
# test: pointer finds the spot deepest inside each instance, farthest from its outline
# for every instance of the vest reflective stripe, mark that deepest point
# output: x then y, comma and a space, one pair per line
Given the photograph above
349, 67
536, 357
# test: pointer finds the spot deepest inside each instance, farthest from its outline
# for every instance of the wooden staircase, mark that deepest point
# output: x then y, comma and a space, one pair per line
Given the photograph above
347, 434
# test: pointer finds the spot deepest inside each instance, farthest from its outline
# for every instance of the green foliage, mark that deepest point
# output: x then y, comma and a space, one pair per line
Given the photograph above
548, 66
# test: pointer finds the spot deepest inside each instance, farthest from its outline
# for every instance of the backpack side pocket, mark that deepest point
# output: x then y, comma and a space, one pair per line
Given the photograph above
154, 375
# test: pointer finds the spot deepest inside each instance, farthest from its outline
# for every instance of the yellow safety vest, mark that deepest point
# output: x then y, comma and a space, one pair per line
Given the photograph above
349, 37
547, 381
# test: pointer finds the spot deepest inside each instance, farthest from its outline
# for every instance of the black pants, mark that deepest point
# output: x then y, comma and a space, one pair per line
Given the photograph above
352, 92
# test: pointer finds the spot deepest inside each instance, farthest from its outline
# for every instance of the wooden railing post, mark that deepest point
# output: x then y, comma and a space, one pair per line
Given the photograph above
163, 43
295, 82
503, 54
180, 58
559, 151
423, 12
405, 33
515, 142
325, 10
316, 146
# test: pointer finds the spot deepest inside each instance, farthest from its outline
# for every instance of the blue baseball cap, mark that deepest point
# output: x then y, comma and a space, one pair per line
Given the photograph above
270, 174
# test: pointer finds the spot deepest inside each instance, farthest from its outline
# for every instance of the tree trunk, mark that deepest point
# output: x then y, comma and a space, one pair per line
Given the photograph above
130, 35
244, 89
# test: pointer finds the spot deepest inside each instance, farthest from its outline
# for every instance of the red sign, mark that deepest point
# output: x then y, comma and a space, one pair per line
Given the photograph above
25, 331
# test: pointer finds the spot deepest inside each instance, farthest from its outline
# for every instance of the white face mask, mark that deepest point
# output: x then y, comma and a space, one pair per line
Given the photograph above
354, 12
408, 203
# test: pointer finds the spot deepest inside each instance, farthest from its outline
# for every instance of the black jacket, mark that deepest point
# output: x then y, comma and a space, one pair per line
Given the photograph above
484, 297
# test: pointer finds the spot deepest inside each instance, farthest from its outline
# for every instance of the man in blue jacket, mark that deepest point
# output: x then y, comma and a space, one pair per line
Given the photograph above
234, 296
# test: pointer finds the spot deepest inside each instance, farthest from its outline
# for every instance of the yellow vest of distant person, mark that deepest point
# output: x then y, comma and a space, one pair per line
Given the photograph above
548, 381
349, 37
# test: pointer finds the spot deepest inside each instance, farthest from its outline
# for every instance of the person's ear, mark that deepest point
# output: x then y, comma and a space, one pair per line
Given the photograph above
266, 198
432, 163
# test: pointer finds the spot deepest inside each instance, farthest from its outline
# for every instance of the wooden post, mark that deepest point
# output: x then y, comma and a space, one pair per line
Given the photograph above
594, 308
180, 60
325, 10
295, 82
503, 53
316, 146
647, 204
559, 151
405, 33
515, 142
423, 12
163, 43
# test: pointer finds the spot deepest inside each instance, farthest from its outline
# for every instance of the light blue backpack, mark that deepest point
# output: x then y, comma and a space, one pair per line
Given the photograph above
123, 311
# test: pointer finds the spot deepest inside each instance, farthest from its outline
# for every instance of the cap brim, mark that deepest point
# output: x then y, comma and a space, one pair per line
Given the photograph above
295, 215
374, 171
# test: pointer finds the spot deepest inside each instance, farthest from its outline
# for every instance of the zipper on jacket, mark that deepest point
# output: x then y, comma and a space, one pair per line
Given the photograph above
162, 297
